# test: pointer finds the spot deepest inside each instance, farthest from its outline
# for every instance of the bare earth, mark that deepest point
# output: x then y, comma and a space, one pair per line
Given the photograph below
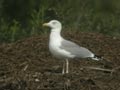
28, 65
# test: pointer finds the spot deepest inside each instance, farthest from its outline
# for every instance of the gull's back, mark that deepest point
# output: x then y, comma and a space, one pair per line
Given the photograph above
76, 50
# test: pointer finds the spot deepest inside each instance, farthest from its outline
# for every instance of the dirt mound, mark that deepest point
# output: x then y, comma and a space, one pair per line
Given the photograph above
28, 65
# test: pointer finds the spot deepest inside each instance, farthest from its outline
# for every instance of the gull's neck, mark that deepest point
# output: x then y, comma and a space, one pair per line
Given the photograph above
57, 30
55, 34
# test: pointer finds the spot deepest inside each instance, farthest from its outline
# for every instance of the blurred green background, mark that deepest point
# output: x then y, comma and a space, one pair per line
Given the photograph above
24, 18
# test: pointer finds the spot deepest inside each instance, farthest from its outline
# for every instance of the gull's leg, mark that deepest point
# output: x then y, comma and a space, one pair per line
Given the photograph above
63, 70
67, 66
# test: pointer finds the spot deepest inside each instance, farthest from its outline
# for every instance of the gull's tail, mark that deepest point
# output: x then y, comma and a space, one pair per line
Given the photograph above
107, 63
97, 57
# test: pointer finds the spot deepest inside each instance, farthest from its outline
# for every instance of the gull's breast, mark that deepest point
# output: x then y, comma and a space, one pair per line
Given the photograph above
54, 47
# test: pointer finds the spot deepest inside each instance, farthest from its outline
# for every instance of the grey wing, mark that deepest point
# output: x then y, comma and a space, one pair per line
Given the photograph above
75, 49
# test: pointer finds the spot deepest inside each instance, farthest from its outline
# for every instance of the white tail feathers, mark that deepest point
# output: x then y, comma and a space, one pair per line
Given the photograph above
97, 58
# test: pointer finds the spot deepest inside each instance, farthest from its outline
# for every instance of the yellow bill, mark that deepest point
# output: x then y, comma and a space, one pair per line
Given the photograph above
45, 24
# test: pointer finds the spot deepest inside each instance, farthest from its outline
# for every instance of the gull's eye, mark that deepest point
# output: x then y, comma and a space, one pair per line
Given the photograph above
54, 23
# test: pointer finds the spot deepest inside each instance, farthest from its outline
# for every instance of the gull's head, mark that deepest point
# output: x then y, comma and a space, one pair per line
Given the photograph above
53, 24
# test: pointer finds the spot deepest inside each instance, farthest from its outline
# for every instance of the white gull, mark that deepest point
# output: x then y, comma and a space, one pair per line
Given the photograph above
64, 49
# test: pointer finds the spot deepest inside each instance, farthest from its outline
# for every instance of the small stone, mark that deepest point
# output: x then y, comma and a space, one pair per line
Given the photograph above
37, 80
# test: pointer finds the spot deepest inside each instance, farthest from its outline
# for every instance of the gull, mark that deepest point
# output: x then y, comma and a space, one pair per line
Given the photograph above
65, 49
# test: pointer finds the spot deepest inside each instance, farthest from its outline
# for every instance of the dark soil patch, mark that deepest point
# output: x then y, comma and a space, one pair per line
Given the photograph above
28, 65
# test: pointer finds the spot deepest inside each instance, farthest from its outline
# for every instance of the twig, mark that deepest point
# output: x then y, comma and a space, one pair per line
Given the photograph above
115, 69
25, 68
100, 69
50, 88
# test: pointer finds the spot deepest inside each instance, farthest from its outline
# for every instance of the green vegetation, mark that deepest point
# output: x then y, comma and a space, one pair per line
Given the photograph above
23, 18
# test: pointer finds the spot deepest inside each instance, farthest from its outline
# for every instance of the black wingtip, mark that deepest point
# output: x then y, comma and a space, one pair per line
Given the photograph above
97, 57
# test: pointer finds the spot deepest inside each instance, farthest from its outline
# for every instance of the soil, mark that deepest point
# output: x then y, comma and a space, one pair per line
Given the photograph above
28, 65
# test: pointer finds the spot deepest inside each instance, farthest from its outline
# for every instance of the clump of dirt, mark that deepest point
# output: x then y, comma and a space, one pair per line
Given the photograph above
28, 65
